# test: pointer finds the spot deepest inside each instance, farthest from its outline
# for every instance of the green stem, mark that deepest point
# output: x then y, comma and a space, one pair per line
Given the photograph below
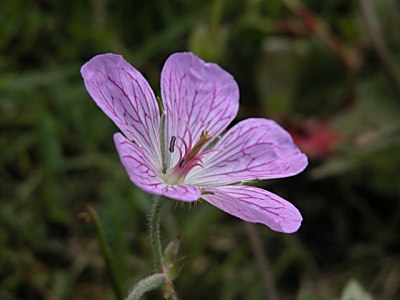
107, 254
156, 248
155, 233
147, 284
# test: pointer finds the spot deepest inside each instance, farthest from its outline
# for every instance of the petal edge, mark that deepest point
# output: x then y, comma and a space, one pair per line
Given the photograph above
255, 205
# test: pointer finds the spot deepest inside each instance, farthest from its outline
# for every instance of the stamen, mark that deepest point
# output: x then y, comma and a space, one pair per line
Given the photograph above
185, 145
204, 138
164, 156
181, 163
190, 156
172, 144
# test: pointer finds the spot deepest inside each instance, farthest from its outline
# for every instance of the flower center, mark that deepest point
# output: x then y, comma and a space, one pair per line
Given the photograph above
189, 157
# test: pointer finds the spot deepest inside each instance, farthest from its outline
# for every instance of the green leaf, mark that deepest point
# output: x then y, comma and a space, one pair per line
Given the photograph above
177, 267
171, 251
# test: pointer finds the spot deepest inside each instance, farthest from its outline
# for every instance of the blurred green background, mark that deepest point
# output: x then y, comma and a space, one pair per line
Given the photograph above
328, 71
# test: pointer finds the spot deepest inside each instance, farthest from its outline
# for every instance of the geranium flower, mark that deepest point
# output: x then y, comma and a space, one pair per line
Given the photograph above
178, 153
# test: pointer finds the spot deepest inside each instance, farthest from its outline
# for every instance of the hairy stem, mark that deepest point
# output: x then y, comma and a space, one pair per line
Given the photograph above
145, 285
156, 247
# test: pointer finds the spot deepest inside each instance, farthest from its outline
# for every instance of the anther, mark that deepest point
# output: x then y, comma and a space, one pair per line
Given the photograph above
172, 144
181, 163
204, 139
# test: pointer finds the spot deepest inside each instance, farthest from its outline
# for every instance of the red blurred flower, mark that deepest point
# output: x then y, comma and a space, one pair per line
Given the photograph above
316, 138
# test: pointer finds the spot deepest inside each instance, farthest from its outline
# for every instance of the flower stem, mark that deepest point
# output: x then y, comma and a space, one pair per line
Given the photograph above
107, 254
147, 284
155, 217
155, 233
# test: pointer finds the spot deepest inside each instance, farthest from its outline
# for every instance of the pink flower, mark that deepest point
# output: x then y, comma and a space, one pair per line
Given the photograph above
179, 154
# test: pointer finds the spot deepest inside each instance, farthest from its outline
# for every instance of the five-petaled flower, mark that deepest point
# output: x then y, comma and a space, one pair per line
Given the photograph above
178, 153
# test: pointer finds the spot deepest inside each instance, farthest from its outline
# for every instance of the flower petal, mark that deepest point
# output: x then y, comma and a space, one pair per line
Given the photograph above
252, 149
126, 98
255, 205
196, 96
143, 175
